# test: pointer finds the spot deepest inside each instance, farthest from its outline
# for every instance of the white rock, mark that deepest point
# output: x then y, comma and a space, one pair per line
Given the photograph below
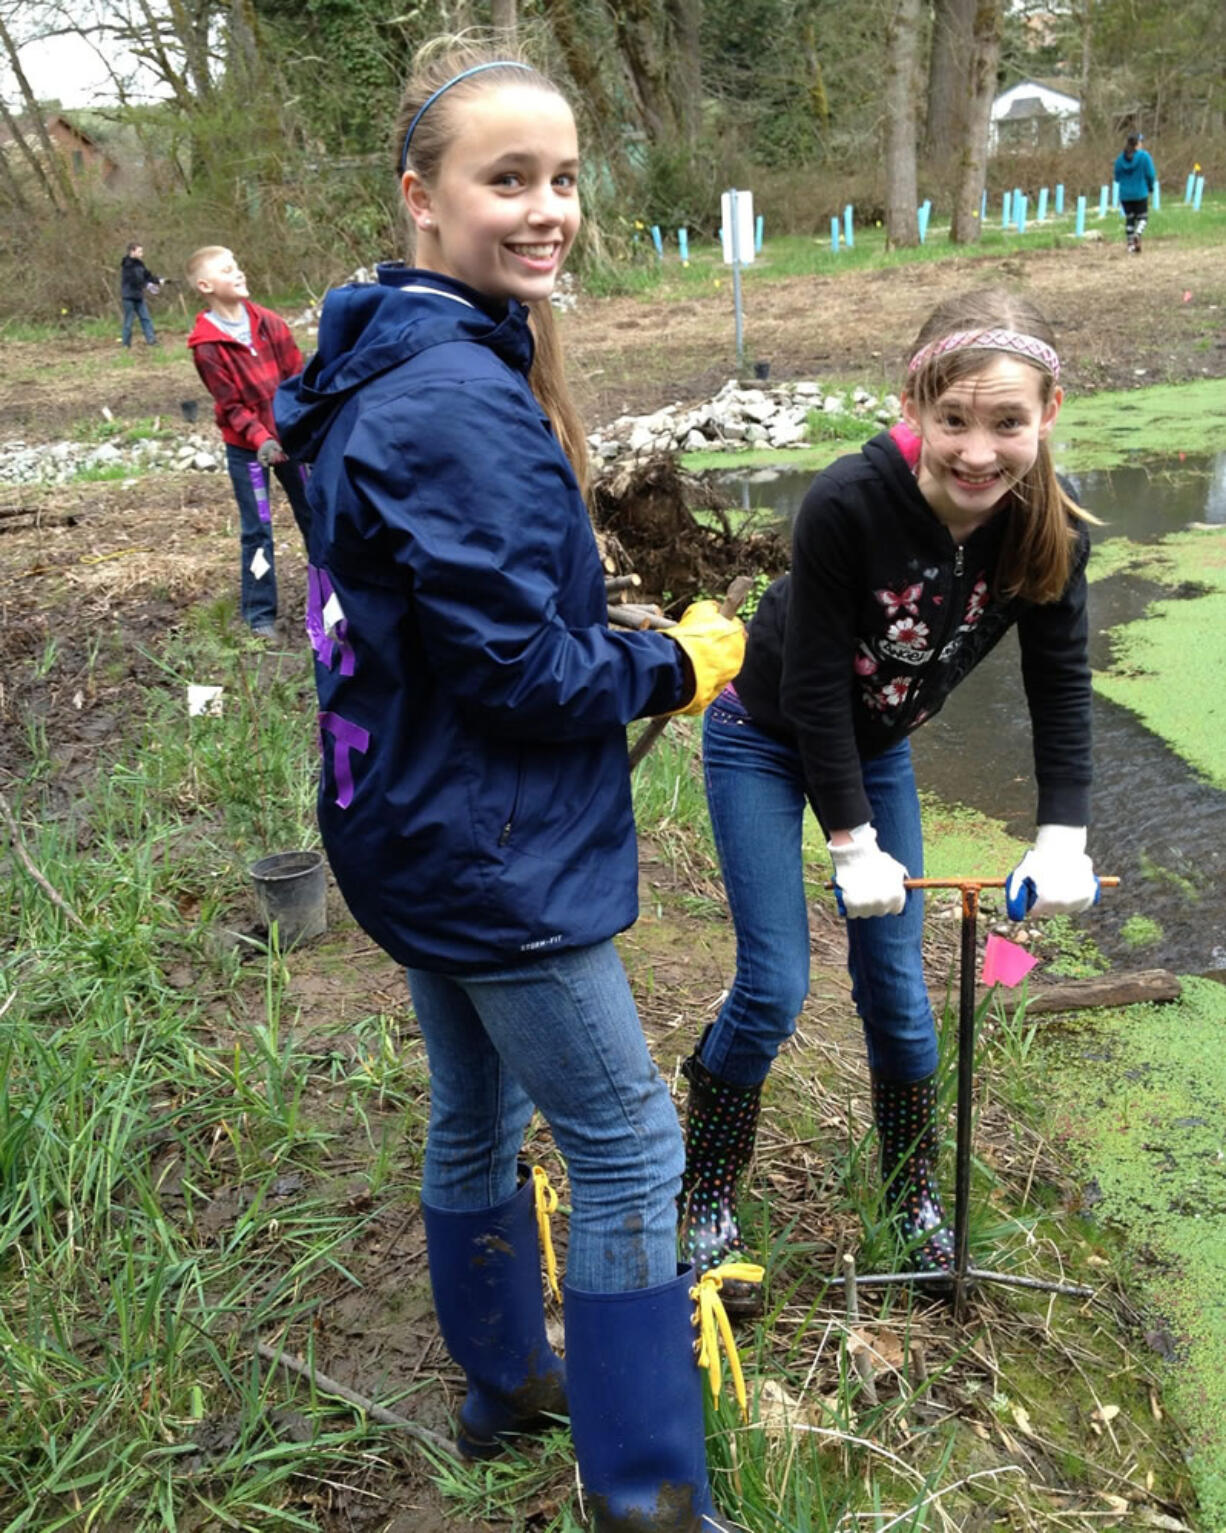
695, 441
833, 405
204, 461
756, 435
640, 439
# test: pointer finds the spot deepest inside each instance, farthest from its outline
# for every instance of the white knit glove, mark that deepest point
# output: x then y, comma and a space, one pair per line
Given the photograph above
869, 881
1055, 877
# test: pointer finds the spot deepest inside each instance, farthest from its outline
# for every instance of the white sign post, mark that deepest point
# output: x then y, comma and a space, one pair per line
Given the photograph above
736, 209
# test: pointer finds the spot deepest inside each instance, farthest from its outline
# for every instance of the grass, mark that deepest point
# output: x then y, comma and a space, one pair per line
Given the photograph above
796, 255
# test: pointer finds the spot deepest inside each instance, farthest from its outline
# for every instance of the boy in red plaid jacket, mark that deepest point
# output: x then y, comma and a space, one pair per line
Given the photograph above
242, 352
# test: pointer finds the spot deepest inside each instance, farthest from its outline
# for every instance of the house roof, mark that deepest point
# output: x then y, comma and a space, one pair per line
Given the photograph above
1024, 107
1057, 87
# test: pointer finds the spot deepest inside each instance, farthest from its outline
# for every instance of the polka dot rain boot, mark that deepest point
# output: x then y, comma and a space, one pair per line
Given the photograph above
905, 1115
721, 1124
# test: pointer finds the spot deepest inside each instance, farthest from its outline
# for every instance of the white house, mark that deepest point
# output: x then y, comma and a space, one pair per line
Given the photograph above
1033, 114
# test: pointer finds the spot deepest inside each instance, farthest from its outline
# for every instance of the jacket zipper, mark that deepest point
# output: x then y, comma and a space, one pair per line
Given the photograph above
504, 834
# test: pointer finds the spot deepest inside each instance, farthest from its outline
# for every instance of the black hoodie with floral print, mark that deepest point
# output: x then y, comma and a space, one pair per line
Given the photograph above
883, 615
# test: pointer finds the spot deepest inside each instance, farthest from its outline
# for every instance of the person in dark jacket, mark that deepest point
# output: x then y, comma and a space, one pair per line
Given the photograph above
1135, 175
475, 795
242, 352
135, 281
911, 560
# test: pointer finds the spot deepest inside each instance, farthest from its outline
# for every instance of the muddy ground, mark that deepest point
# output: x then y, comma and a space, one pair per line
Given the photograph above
116, 564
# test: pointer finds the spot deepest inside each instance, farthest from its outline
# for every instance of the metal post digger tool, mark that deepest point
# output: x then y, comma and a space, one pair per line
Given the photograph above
630, 615
964, 1276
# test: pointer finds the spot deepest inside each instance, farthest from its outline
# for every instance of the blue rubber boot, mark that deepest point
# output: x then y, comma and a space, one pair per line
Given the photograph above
485, 1270
636, 1410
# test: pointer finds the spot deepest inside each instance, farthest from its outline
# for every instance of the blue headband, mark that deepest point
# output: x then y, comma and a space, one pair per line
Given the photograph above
455, 80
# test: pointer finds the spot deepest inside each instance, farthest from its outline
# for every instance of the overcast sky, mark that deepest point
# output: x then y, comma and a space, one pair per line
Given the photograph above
69, 70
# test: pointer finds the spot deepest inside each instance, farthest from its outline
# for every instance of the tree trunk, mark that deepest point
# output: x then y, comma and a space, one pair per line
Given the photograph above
819, 101
583, 65
503, 19
684, 50
56, 168
31, 159
951, 63
901, 55
1087, 60
642, 43
12, 187
979, 87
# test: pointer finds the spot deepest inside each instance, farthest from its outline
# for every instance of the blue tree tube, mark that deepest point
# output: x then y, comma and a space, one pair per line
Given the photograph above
834, 235
1080, 227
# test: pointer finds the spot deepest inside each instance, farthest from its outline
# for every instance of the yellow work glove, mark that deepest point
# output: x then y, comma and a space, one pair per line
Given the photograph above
715, 648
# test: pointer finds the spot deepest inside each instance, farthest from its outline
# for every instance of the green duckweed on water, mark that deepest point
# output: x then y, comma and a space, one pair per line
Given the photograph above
1141, 931
1107, 429
1142, 1104
1180, 640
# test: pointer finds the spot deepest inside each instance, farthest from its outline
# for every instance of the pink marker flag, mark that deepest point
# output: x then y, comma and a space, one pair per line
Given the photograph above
1005, 963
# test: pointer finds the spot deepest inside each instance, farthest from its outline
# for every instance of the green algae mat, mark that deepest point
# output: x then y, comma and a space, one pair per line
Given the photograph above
1105, 430
1142, 1106
1169, 666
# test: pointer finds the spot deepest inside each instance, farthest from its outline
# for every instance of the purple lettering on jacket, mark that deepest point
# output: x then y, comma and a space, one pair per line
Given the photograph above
348, 737
260, 485
323, 641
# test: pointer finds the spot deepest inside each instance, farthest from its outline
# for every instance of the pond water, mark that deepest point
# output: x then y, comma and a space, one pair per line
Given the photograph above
1156, 824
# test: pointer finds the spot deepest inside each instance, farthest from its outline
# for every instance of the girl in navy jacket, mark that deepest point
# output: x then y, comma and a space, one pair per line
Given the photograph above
475, 795
911, 560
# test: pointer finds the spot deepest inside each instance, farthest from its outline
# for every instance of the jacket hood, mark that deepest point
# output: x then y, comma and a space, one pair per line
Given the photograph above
205, 332
366, 330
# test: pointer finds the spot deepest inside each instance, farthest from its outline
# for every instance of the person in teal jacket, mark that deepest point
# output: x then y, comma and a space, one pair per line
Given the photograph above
1135, 177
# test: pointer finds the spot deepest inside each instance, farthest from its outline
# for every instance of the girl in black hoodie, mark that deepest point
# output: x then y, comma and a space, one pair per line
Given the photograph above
911, 559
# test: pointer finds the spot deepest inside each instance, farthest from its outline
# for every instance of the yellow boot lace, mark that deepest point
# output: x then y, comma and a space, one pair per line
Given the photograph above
546, 1200
714, 1327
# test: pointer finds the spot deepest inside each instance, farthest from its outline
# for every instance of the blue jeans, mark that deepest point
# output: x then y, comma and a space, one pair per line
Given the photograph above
258, 591
561, 1033
756, 796
137, 308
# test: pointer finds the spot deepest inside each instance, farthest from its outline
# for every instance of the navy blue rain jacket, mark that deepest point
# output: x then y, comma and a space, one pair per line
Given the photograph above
475, 796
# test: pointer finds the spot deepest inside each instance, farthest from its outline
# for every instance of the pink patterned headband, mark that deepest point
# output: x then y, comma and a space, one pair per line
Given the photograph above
1028, 346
